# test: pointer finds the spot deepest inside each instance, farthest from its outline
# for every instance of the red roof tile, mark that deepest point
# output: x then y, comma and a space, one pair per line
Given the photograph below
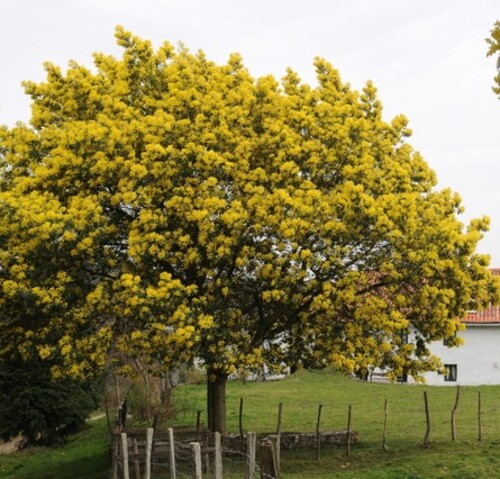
486, 316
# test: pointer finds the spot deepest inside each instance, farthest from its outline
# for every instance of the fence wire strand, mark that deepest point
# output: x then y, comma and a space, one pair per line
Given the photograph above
405, 430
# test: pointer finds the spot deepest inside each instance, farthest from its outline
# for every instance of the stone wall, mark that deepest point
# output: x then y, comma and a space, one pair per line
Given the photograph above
298, 440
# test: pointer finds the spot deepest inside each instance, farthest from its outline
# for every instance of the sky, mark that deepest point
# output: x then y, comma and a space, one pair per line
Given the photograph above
426, 57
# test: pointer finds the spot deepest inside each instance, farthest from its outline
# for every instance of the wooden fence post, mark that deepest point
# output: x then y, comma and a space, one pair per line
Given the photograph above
318, 437
251, 451
126, 474
427, 437
135, 450
268, 468
349, 411
171, 449
196, 449
479, 425
198, 425
453, 415
218, 456
149, 448
276, 441
207, 453
240, 423
384, 433
280, 411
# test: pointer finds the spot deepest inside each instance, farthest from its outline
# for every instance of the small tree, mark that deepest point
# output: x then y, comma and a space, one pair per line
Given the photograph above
39, 409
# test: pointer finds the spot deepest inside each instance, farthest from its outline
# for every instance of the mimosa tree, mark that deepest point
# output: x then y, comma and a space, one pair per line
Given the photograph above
165, 207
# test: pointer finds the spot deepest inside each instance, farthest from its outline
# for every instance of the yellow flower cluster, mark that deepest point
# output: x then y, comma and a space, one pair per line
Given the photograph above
164, 206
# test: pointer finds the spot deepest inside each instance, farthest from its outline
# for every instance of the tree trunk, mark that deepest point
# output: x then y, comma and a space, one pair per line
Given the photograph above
216, 401
169, 381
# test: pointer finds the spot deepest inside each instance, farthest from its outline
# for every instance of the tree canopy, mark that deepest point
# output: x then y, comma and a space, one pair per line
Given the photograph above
165, 207
494, 49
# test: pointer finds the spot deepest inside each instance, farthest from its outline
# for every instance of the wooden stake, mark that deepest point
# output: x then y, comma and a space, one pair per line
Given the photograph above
126, 474
198, 425
240, 423
384, 433
171, 449
218, 456
251, 452
479, 426
267, 455
149, 449
137, 467
196, 449
453, 415
207, 453
276, 441
349, 410
426, 442
318, 437
280, 410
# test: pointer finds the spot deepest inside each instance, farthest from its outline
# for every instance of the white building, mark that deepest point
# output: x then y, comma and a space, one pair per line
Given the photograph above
477, 361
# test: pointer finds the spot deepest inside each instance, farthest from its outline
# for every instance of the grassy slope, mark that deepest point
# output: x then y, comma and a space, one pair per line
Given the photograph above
86, 454
83, 457
302, 393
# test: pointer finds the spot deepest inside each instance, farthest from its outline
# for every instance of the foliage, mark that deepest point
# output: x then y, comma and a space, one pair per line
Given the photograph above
42, 411
494, 49
192, 375
166, 208
141, 403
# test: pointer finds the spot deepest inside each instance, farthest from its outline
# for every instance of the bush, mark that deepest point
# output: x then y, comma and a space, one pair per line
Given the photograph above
142, 404
192, 375
42, 411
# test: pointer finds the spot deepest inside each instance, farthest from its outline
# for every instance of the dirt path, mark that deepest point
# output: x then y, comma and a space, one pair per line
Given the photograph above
9, 447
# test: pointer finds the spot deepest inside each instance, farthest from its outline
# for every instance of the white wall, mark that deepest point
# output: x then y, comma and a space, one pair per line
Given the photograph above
477, 360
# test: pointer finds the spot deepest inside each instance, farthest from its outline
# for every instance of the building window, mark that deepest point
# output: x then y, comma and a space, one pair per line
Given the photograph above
403, 378
450, 372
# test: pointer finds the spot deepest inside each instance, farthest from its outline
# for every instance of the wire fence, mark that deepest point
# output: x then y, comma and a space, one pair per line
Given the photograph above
418, 419
149, 454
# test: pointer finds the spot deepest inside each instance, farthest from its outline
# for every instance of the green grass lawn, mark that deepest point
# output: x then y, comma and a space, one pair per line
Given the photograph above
302, 393
85, 456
